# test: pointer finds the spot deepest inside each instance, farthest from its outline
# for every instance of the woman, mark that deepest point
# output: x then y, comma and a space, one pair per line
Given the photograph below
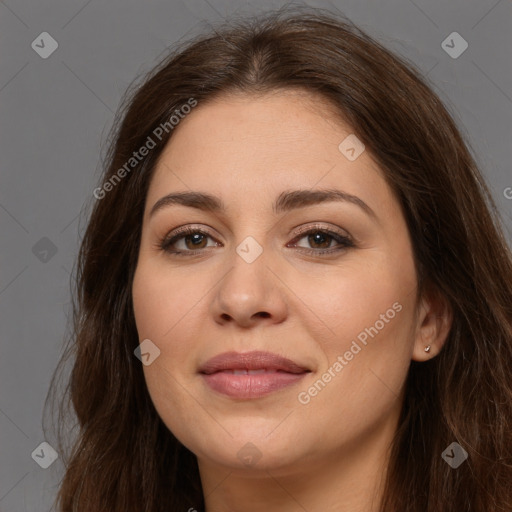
293, 238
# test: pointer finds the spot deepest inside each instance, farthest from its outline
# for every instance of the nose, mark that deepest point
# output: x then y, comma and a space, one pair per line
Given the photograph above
249, 294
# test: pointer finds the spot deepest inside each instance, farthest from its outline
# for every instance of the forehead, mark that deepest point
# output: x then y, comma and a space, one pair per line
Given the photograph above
260, 145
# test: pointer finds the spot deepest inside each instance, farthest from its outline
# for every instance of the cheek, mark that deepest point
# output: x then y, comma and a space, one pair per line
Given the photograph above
162, 300
164, 311
352, 297
366, 314
169, 309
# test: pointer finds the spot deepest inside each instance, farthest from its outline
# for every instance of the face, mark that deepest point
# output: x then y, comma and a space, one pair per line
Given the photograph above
327, 282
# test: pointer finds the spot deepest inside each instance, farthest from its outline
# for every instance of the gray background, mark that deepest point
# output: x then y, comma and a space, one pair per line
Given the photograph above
56, 112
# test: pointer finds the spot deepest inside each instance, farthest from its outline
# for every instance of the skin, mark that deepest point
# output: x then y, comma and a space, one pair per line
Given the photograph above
330, 453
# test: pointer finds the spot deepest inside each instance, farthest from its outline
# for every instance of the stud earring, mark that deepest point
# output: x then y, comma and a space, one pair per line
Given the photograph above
427, 348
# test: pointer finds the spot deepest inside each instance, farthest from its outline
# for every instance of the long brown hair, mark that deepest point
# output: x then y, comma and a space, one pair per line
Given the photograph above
123, 458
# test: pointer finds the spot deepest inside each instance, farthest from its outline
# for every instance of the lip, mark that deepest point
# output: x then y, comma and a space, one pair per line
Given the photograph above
250, 374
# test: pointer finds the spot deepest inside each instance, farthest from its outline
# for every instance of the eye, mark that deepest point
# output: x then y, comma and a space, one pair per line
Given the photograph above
320, 240
192, 241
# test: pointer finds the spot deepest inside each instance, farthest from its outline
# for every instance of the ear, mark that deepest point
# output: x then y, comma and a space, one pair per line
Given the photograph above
434, 321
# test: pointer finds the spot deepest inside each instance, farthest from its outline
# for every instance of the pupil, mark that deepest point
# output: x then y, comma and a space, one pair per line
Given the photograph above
196, 238
319, 238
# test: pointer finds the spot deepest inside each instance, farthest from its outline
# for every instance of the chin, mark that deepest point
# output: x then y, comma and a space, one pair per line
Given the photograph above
252, 456
255, 449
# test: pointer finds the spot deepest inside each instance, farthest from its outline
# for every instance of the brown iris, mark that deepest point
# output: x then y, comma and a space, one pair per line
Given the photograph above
319, 238
196, 240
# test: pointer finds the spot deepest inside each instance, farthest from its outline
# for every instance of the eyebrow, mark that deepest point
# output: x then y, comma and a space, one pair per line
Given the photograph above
286, 201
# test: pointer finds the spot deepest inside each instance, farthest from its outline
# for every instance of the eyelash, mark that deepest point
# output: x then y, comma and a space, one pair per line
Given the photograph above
344, 241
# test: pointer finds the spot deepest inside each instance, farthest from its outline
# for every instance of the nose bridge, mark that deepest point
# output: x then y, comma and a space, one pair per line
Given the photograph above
248, 277
249, 289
